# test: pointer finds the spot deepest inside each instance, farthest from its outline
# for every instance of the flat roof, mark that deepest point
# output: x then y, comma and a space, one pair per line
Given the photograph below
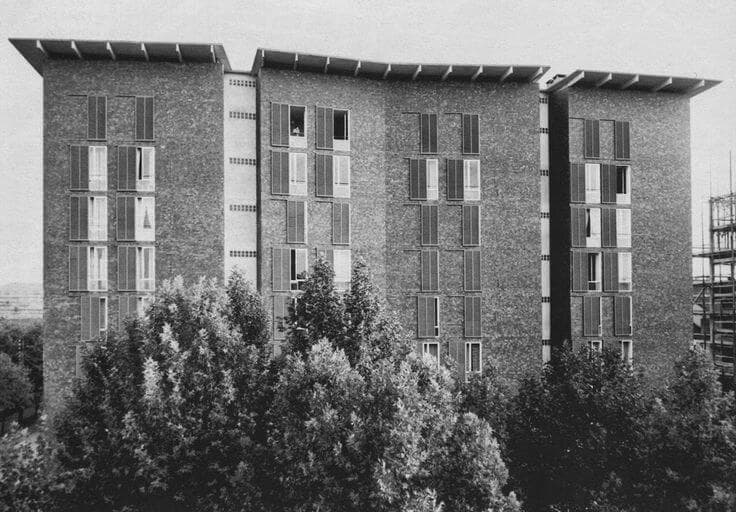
391, 70
36, 51
632, 81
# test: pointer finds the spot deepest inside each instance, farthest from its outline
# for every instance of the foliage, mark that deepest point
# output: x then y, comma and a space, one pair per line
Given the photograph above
16, 392
23, 343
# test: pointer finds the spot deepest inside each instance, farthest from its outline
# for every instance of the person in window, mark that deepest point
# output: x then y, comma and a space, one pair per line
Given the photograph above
296, 132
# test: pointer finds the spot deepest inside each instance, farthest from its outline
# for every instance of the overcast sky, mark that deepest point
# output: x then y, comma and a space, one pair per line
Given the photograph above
677, 37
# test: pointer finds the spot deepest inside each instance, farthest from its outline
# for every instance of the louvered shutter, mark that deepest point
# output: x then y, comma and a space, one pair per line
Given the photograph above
455, 180
475, 357
429, 224
279, 172
79, 218
280, 267
430, 270
471, 225
84, 302
591, 138
96, 117
126, 217
324, 175
470, 134
610, 272
417, 179
94, 318
140, 118
622, 314
127, 268
127, 172
579, 271
428, 133
577, 183
621, 140
608, 227
422, 317
591, 316
472, 317
325, 127
79, 167
101, 117
577, 226
291, 227
340, 223
78, 262
148, 131
127, 308
279, 124
472, 270
608, 184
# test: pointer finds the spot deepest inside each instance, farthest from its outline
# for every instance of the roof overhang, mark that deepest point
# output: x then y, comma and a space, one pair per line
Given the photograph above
278, 59
632, 82
37, 51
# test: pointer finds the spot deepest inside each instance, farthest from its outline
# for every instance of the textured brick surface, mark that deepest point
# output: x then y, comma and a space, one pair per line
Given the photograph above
660, 199
189, 183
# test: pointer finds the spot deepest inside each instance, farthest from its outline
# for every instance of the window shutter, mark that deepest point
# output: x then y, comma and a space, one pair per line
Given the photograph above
279, 172
610, 272
472, 317
591, 316
429, 224
577, 225
84, 301
74, 217
148, 119
301, 221
94, 318
422, 317
280, 316
126, 268
127, 168
78, 262
295, 222
622, 314
279, 124
324, 174
579, 271
417, 179
325, 128
280, 269
455, 180
79, 167
621, 140
101, 117
340, 223
470, 134
127, 307
91, 117
126, 217
591, 136
608, 183
428, 133
346, 223
577, 183
608, 227
140, 118
79, 218
472, 270
471, 225
430, 270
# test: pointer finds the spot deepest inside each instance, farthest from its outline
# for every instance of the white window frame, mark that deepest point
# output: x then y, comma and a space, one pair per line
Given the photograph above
97, 218
626, 197
298, 141
342, 263
623, 227
432, 179
627, 352
297, 256
103, 317
595, 346
624, 261
427, 355
595, 285
341, 176
97, 168
142, 283
142, 303
593, 219
468, 359
341, 144
471, 167
593, 183
298, 174
97, 269
141, 233
436, 316
145, 168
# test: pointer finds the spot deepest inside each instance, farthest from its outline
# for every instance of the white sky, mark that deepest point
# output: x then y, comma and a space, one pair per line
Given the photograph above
677, 37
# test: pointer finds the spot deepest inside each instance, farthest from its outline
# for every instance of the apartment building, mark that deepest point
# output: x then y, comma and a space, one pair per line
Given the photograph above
468, 191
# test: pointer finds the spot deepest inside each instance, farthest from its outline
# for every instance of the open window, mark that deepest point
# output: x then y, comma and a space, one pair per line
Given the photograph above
145, 168
595, 346
473, 358
623, 227
97, 229
594, 272
431, 352
145, 219
341, 176
624, 271
627, 352
298, 268
297, 174
97, 167
145, 269
592, 183
471, 171
341, 137
297, 126
592, 227
432, 179
97, 269
623, 184
343, 265
142, 305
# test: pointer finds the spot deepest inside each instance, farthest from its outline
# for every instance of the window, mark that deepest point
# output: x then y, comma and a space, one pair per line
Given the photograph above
432, 179
341, 137
592, 227
473, 358
296, 222
145, 219
591, 138
97, 218
592, 183
627, 352
471, 225
93, 317
297, 174
592, 316
298, 268
341, 183
623, 184
622, 316
471, 144
281, 305
428, 316
145, 168
472, 270
428, 133
431, 352
142, 305
473, 317
595, 346
96, 117
623, 227
429, 224
594, 272
297, 127
97, 270
343, 266
430, 270
144, 118
145, 269
621, 140
423, 179
624, 271
97, 167
471, 172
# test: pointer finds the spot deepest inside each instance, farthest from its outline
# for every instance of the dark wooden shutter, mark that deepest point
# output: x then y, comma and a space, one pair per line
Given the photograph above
325, 127
429, 224
94, 318
78, 256
622, 314
79, 167
84, 302
577, 226
577, 183
126, 217
608, 227
473, 317
279, 124
428, 133
79, 217
591, 316
417, 179
470, 134
579, 271
127, 308
127, 268
340, 223
148, 131
144, 118
455, 180
621, 140
127, 173
422, 317
295, 222
608, 184
279, 172
472, 270
591, 136
101, 117
471, 225
324, 175
430, 271
610, 272
96, 117
280, 268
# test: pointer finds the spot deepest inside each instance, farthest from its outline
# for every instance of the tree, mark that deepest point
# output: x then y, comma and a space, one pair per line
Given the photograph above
23, 343
16, 392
